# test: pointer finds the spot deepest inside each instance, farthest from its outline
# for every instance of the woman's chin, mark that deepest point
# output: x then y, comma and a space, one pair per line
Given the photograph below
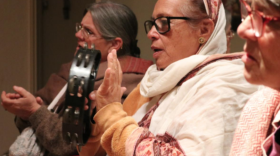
255, 77
250, 76
159, 66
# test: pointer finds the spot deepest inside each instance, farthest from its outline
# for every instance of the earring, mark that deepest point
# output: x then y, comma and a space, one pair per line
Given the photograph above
121, 47
201, 40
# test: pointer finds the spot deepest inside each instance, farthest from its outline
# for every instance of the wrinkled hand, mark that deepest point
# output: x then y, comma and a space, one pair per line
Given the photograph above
110, 90
22, 103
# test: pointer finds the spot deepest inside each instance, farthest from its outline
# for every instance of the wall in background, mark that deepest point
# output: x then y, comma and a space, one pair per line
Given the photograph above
16, 59
236, 44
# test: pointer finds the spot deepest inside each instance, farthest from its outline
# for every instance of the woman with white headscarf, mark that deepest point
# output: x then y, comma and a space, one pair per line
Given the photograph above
188, 103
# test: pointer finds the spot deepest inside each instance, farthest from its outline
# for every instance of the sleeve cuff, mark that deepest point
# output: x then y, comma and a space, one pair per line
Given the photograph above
21, 124
105, 118
109, 115
41, 114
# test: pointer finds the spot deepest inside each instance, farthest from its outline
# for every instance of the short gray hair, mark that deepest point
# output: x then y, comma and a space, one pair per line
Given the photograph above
116, 20
196, 7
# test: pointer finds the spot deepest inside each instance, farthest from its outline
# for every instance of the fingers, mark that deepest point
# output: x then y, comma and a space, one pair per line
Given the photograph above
113, 79
110, 60
110, 90
86, 106
92, 97
21, 91
116, 65
5, 99
106, 82
13, 95
120, 73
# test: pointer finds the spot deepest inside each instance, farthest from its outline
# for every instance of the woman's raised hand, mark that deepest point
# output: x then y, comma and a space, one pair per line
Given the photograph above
110, 90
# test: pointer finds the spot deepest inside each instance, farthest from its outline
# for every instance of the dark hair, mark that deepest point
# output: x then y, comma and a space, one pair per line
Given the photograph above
116, 20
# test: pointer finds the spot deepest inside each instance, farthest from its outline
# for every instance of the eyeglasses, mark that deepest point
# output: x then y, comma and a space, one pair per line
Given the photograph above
86, 32
258, 19
162, 24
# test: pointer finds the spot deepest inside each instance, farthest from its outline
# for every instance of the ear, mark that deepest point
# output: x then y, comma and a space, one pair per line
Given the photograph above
117, 44
206, 28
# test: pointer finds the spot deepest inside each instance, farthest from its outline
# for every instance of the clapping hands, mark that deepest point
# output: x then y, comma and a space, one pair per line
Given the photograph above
22, 103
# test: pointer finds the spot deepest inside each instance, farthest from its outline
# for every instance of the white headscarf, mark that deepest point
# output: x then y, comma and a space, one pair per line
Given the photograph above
217, 43
156, 82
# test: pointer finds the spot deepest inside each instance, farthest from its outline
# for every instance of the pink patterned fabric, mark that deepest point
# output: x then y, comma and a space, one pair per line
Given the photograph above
146, 121
132, 140
212, 8
255, 123
148, 145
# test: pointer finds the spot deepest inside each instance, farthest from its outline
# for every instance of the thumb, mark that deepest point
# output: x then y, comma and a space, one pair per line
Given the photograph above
92, 95
39, 100
123, 89
112, 50
21, 91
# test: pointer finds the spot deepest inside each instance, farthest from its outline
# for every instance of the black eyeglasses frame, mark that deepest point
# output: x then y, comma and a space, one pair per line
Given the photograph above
153, 23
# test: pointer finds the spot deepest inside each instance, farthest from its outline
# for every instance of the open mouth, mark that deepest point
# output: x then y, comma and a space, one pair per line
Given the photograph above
157, 50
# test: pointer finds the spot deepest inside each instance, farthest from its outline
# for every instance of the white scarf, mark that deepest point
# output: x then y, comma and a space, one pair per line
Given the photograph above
156, 82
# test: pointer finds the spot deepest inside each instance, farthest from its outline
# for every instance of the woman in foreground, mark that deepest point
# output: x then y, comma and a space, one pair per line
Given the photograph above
258, 130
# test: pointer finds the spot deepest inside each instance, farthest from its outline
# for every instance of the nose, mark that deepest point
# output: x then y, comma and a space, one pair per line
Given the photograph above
153, 34
246, 31
79, 35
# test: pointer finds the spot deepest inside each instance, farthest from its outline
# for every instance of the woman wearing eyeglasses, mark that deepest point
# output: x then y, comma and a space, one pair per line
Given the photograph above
189, 102
258, 132
107, 25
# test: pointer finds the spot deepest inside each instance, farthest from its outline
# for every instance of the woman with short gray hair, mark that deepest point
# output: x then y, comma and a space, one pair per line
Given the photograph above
116, 20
